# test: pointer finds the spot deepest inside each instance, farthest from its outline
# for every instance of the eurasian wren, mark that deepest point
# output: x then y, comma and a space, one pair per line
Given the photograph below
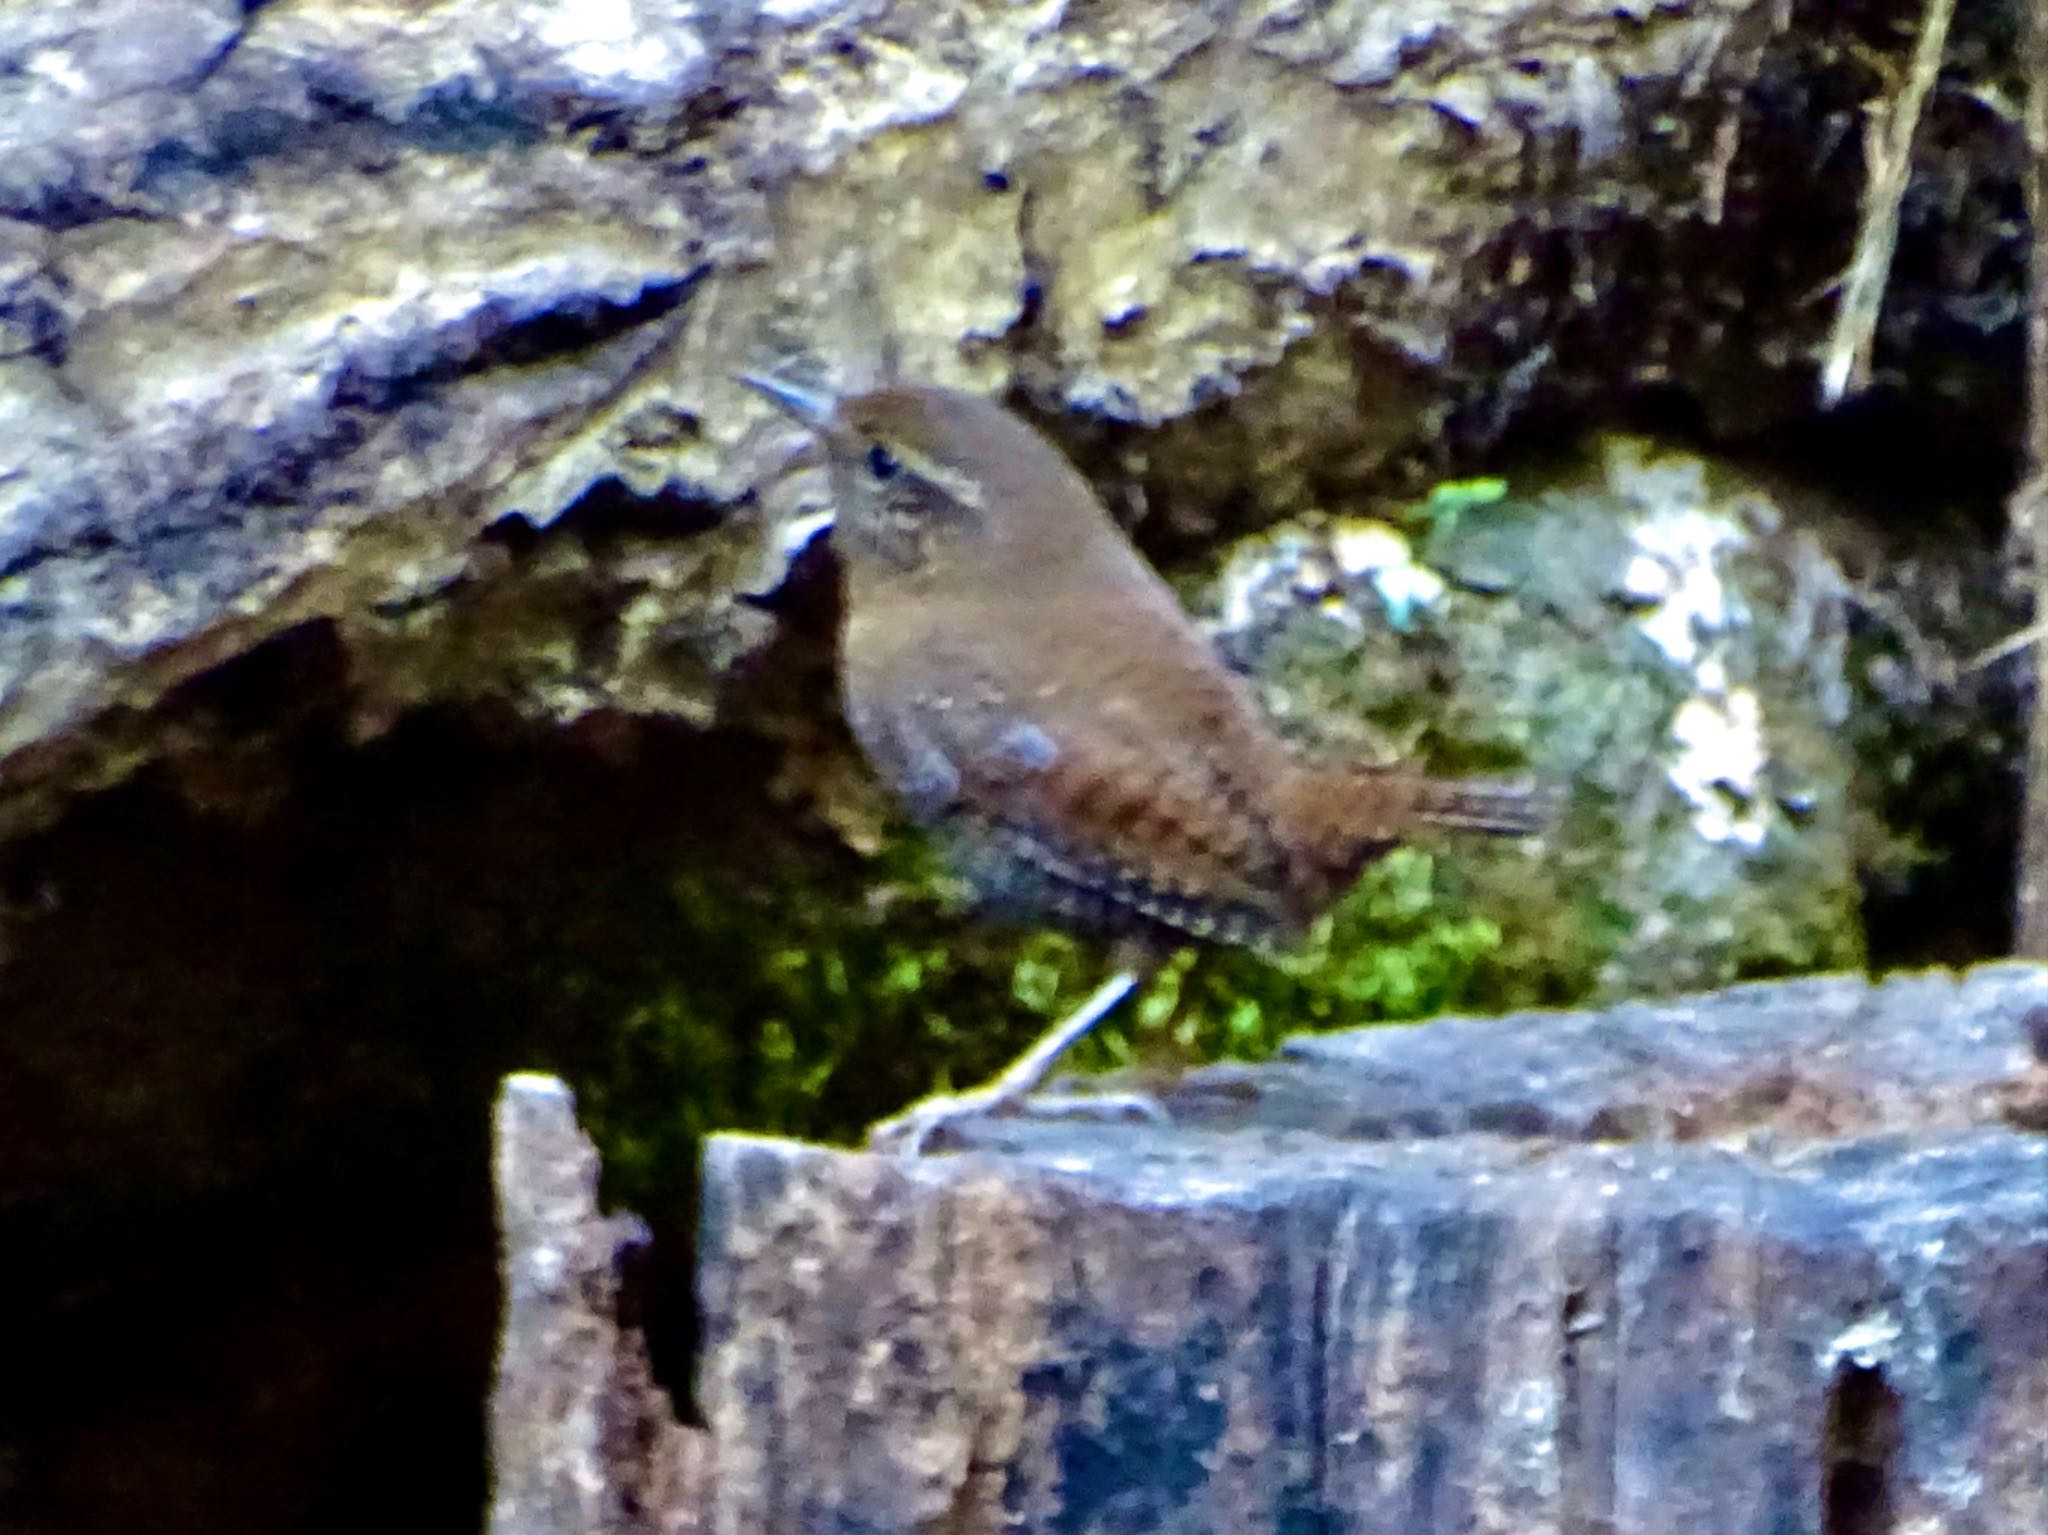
1035, 694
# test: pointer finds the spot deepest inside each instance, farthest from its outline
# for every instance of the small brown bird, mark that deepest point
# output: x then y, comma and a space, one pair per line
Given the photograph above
1035, 693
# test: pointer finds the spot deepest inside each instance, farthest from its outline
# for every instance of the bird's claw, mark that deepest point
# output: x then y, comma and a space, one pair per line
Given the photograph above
913, 1132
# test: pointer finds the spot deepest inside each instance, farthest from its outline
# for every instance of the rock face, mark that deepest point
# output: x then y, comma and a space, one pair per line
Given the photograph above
296, 300
1770, 1259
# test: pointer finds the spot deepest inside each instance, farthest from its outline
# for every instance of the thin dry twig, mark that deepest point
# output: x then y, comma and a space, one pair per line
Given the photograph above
2011, 645
1888, 146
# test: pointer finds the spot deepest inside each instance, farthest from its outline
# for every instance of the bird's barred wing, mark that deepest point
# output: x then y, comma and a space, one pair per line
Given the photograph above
1082, 813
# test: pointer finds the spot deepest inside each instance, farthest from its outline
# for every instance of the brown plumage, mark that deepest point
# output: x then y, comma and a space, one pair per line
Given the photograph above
1034, 692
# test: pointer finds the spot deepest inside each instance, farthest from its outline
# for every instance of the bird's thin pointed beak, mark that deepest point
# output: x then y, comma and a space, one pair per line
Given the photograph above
813, 408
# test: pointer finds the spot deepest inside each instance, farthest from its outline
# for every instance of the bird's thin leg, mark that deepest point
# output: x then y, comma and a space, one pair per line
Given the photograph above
911, 1130
1029, 1070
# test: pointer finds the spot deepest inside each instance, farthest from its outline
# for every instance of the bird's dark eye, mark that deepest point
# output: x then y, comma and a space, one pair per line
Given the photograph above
882, 463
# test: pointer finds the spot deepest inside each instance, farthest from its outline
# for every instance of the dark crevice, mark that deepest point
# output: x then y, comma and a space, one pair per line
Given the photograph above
1571, 1391
610, 509
2035, 1027
295, 674
495, 336
64, 207
1587, 1376
216, 61
1858, 1449
1319, 1370
1953, 906
657, 1299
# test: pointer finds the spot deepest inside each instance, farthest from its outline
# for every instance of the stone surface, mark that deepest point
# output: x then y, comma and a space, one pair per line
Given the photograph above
1660, 633
295, 300
1738, 692
581, 1439
1770, 1259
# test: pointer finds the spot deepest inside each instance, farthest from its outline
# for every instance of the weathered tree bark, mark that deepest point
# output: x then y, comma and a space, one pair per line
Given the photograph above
295, 301
581, 1437
1771, 1259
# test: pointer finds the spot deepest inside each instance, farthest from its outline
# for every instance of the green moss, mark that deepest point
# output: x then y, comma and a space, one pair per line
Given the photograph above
1398, 946
1446, 504
816, 1005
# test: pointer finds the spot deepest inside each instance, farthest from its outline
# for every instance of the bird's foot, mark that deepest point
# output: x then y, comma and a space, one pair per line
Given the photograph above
923, 1126
913, 1132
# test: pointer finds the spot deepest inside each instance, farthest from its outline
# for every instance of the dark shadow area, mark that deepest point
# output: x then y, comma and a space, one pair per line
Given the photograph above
1895, 459
1955, 907
1860, 1445
245, 1073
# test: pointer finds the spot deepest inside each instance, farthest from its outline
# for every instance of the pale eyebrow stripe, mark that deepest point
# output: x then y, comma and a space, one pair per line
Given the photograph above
961, 487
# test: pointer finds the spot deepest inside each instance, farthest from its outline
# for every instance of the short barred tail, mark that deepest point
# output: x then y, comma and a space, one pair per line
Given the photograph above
1476, 805
1340, 819
1332, 822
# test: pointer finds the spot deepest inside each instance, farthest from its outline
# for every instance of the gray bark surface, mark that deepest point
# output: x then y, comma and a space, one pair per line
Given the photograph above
581, 1438
1768, 1259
